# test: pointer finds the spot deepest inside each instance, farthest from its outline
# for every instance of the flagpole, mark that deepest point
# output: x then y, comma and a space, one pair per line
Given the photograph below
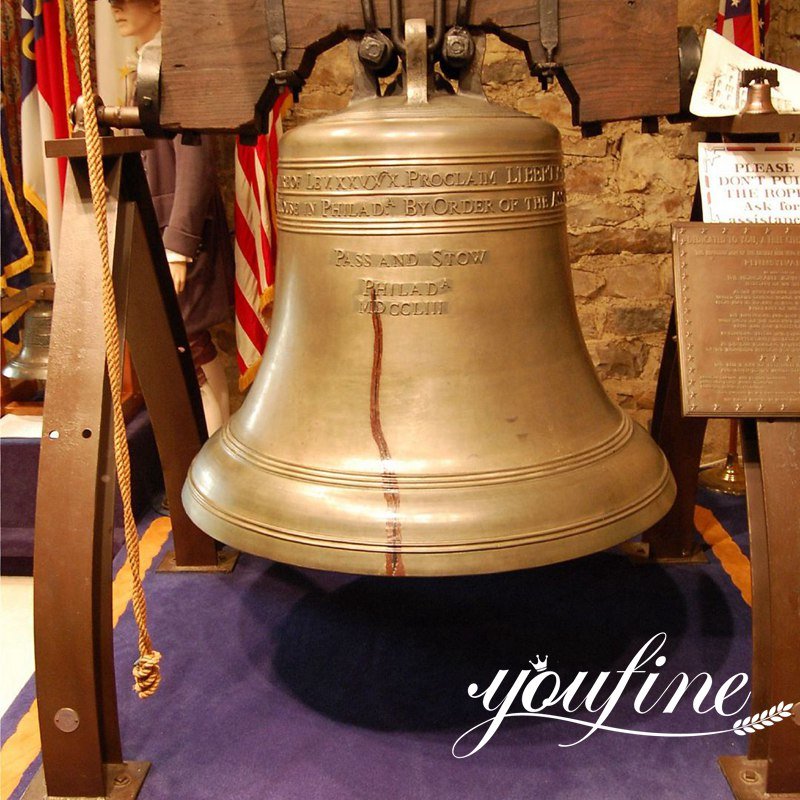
756, 28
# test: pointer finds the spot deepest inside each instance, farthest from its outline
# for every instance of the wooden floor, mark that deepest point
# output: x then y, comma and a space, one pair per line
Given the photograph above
16, 636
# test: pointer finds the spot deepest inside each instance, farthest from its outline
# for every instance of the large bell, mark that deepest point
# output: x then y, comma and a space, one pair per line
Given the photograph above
426, 404
30, 364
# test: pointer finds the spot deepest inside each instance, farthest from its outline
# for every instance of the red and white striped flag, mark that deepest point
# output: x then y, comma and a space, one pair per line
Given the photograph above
745, 23
49, 86
256, 242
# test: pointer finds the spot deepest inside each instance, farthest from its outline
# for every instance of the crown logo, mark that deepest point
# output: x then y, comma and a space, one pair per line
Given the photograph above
540, 665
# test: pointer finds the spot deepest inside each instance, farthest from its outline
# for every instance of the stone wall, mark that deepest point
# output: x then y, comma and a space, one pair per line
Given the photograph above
624, 188
783, 39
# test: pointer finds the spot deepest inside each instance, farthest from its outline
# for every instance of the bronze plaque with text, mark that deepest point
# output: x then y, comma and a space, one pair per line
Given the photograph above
737, 294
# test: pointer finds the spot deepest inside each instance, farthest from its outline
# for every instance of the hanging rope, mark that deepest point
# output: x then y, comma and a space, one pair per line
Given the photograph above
146, 670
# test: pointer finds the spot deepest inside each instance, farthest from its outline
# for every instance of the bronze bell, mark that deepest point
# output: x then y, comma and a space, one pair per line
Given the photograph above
426, 404
759, 84
30, 364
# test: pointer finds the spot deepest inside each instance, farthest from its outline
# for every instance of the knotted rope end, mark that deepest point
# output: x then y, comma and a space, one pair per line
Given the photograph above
147, 674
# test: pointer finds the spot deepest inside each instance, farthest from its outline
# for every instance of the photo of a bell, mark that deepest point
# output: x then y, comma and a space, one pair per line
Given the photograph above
30, 364
426, 404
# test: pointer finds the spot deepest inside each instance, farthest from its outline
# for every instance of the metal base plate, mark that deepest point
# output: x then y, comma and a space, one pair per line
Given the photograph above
124, 782
748, 779
639, 553
226, 562
725, 479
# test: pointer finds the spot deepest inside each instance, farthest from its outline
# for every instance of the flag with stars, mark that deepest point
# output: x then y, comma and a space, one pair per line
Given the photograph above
745, 23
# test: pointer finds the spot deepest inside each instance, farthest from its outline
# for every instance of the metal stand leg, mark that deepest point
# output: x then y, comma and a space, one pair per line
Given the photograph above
772, 467
81, 748
164, 365
76, 689
674, 538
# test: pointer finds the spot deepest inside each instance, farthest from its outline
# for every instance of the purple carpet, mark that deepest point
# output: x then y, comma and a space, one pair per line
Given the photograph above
288, 684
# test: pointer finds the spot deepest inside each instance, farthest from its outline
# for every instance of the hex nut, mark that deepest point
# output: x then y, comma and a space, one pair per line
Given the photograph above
458, 48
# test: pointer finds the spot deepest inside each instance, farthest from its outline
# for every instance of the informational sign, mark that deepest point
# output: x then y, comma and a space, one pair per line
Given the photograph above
750, 182
737, 294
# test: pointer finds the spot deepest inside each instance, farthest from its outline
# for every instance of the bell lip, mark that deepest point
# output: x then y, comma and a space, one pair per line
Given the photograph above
24, 373
517, 551
617, 439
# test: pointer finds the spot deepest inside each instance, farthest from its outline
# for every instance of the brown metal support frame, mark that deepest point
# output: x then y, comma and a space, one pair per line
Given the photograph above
163, 361
72, 550
76, 690
674, 538
771, 451
771, 769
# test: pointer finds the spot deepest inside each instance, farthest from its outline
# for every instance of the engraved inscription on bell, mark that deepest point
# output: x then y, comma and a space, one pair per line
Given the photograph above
397, 299
325, 191
433, 258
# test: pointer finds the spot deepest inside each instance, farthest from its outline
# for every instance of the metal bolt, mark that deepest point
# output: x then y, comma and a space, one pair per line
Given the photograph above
67, 720
375, 50
122, 780
458, 48
750, 776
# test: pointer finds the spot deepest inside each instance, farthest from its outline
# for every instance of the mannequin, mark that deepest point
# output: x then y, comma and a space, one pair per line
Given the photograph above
191, 217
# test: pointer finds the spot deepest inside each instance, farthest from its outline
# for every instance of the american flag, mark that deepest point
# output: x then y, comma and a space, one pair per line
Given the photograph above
256, 243
49, 86
745, 23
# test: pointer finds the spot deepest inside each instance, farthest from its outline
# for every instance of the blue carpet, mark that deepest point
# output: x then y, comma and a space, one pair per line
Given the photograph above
288, 684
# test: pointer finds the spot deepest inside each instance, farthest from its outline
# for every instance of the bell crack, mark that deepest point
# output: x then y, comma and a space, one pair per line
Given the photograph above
391, 489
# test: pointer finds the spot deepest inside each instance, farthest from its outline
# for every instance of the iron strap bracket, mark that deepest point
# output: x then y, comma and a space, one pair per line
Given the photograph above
434, 44
548, 36
278, 40
279, 79
276, 26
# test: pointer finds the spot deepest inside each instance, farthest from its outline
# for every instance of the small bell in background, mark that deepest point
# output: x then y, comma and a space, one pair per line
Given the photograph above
759, 83
30, 364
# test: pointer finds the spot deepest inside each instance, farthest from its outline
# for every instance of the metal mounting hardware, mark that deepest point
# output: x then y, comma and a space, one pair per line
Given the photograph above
148, 91
276, 26
434, 44
146, 111
548, 36
376, 50
279, 44
548, 27
689, 51
458, 48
